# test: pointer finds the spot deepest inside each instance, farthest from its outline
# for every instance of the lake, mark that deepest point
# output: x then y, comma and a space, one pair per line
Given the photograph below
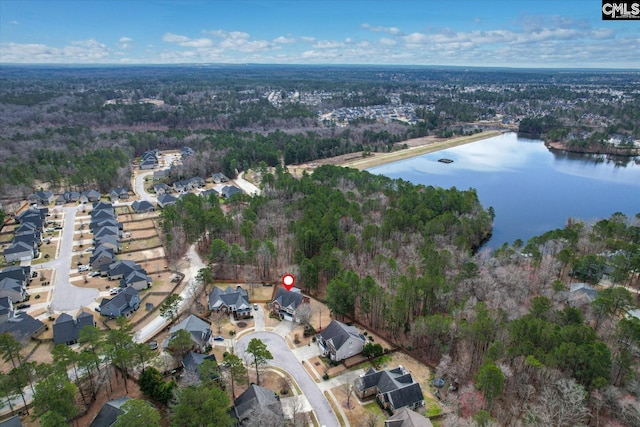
532, 189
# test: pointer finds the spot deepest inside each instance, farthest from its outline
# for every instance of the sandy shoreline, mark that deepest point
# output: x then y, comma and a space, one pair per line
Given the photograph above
417, 147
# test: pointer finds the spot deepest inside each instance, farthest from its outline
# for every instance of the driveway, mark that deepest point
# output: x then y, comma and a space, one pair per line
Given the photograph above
67, 297
283, 358
139, 188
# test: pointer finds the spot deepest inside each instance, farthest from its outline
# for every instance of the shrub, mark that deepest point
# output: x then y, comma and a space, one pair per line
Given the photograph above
325, 376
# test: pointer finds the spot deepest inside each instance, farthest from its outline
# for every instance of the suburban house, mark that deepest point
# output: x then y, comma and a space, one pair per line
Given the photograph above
122, 268
258, 402
123, 304
142, 206
219, 177
20, 325
393, 388
89, 196
41, 198
199, 329
20, 273
339, 341
102, 255
405, 417
12, 288
210, 191
117, 194
181, 186
160, 174
581, 294
192, 362
106, 230
136, 279
66, 329
109, 222
13, 421
109, 413
109, 241
161, 188
149, 160
102, 206
186, 152
230, 190
68, 197
230, 300
286, 303
196, 182
19, 251
166, 200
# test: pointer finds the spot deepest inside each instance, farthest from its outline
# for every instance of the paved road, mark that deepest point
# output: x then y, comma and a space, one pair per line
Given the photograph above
67, 297
139, 188
246, 186
283, 358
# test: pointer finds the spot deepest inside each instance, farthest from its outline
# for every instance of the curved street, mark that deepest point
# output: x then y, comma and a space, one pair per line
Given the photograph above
284, 358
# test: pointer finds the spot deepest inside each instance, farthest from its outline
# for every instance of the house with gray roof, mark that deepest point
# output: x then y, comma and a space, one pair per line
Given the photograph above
18, 251
103, 255
209, 192
393, 388
287, 302
166, 200
122, 268
18, 324
192, 362
230, 300
89, 196
109, 222
119, 194
340, 341
107, 230
405, 417
196, 182
137, 279
18, 272
11, 422
581, 294
186, 152
102, 206
199, 329
219, 177
66, 329
102, 215
142, 206
109, 241
161, 188
160, 174
230, 190
109, 413
123, 304
41, 197
258, 403
12, 288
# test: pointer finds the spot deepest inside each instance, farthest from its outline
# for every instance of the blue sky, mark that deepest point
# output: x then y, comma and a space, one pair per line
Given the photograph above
515, 33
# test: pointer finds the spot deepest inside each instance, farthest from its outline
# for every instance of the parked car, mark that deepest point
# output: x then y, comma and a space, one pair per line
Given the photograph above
23, 306
94, 274
153, 345
90, 249
57, 227
82, 268
255, 306
114, 291
218, 338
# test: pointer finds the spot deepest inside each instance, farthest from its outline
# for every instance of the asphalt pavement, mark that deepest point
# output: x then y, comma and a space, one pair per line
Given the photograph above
283, 358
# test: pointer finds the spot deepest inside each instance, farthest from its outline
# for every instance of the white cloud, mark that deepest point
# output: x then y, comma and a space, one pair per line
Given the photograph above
14, 23
125, 42
378, 29
327, 44
241, 41
186, 41
308, 39
80, 51
284, 40
387, 41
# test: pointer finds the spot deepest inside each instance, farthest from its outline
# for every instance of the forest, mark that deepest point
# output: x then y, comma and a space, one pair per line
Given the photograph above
77, 128
404, 261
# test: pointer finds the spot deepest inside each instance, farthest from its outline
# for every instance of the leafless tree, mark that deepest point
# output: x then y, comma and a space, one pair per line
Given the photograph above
303, 313
370, 420
561, 403
218, 318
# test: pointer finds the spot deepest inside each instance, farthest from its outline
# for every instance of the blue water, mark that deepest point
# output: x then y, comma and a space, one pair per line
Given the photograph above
531, 188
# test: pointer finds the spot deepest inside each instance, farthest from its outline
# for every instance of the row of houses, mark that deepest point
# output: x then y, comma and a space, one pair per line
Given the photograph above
44, 198
27, 236
13, 287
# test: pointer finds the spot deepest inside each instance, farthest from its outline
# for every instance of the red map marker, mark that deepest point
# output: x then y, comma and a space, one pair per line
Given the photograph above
287, 281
